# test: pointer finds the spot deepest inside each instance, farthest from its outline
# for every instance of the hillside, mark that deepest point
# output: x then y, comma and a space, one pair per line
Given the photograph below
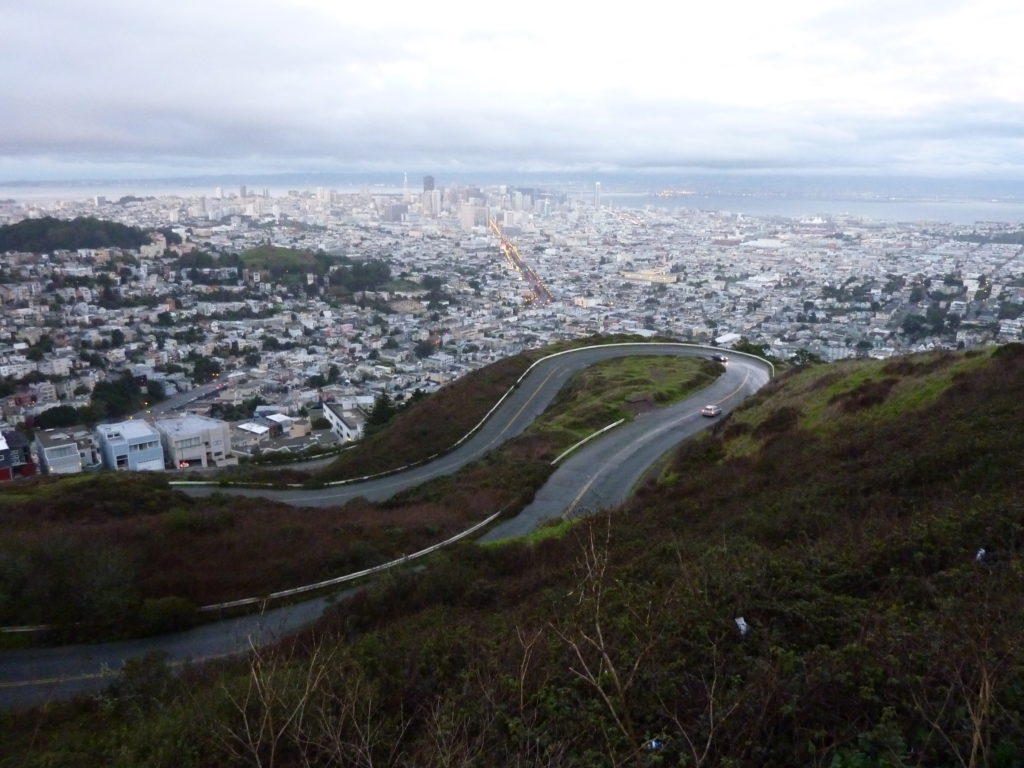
49, 234
436, 423
102, 556
840, 513
280, 260
293, 265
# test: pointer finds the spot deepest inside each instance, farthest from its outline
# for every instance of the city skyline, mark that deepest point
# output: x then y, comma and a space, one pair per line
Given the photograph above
118, 90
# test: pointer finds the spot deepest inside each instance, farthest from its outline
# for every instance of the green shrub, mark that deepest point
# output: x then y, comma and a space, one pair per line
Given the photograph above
158, 616
181, 521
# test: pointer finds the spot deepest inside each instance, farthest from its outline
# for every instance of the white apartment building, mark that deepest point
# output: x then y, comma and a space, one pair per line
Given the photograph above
347, 425
196, 441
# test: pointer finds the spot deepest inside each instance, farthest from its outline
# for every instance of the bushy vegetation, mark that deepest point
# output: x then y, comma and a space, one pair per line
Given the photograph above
167, 545
111, 400
292, 265
115, 554
48, 234
873, 554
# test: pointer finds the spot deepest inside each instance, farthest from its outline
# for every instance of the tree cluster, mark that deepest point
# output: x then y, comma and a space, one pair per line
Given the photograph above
359, 276
49, 234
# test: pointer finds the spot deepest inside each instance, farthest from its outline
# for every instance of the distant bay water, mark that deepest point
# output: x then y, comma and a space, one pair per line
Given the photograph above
953, 211
882, 199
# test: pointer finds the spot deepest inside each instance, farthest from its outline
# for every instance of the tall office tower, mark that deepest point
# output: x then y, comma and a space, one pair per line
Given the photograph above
428, 183
219, 193
597, 194
241, 191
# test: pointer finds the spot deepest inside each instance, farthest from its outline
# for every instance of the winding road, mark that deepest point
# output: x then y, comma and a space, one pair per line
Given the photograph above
598, 475
521, 408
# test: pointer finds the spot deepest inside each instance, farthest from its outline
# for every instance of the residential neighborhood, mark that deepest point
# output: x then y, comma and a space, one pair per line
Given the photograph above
313, 304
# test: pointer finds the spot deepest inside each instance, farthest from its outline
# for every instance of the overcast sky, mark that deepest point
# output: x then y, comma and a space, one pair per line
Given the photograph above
135, 88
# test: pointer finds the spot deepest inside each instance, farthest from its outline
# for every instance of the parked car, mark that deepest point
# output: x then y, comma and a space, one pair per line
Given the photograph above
710, 410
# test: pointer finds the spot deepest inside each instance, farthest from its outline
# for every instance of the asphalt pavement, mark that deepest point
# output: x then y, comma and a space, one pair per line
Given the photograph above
598, 475
602, 474
515, 414
35, 676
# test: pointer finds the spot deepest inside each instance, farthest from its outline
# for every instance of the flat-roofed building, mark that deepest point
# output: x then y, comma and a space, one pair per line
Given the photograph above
15, 456
51, 446
348, 425
129, 445
58, 452
196, 441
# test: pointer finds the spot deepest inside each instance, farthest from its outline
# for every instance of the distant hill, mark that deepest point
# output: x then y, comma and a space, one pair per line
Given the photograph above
49, 234
283, 261
292, 265
832, 576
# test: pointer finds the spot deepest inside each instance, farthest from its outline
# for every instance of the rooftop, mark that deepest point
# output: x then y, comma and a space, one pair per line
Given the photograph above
126, 429
187, 425
50, 438
256, 429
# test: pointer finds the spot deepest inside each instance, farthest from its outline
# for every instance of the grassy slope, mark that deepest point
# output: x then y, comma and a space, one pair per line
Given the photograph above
155, 542
436, 423
846, 540
99, 545
276, 257
619, 388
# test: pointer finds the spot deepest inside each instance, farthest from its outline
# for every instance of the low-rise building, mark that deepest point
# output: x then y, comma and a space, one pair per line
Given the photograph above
15, 456
196, 441
66, 451
348, 425
58, 452
130, 445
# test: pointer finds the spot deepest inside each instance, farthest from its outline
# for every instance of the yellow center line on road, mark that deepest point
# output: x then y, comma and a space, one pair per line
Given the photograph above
106, 673
520, 411
56, 680
741, 385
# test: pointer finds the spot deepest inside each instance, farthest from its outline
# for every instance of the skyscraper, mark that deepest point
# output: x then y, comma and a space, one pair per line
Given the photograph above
428, 183
597, 194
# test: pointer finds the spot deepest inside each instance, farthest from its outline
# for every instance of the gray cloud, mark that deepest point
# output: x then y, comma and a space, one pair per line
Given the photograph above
185, 87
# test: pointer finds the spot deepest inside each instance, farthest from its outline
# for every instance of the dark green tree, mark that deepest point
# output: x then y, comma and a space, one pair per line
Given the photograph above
383, 410
117, 398
61, 416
